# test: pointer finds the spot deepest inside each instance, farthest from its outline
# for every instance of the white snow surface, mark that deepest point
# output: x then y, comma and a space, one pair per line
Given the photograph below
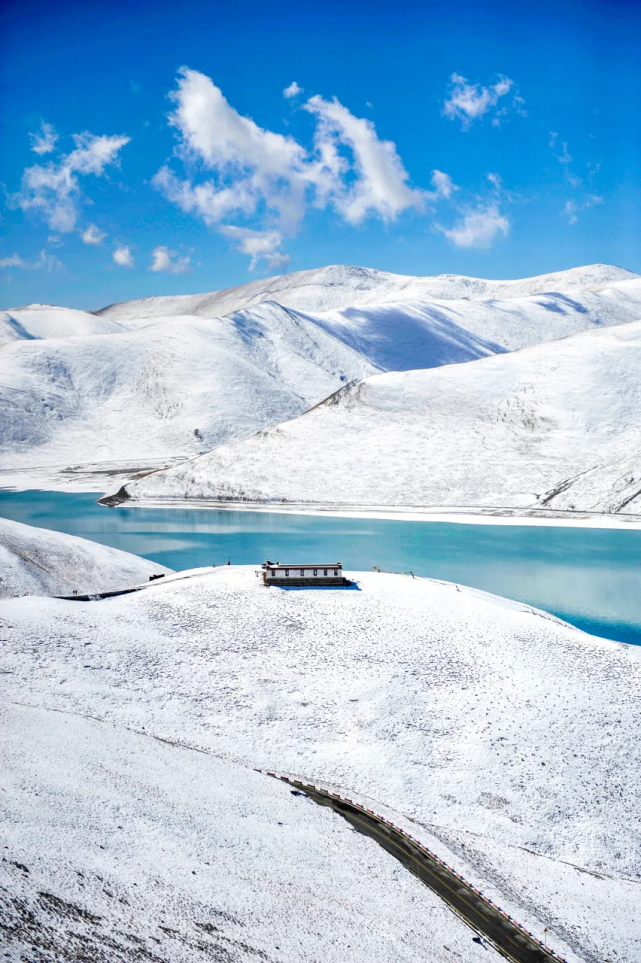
36, 561
507, 735
556, 426
127, 848
341, 286
37, 321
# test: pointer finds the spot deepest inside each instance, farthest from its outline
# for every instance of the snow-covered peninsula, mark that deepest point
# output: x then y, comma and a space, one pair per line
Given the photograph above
554, 426
37, 561
508, 738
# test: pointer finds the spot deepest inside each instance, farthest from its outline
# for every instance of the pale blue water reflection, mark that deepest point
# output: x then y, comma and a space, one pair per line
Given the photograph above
588, 576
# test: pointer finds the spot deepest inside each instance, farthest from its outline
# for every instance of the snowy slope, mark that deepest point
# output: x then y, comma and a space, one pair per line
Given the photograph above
177, 388
125, 848
340, 286
510, 737
36, 561
48, 321
557, 425
403, 335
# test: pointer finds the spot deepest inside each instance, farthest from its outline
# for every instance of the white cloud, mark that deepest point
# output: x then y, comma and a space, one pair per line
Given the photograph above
45, 140
553, 137
54, 191
123, 257
468, 102
259, 245
247, 172
162, 259
93, 236
293, 90
572, 208
380, 184
478, 227
443, 184
44, 260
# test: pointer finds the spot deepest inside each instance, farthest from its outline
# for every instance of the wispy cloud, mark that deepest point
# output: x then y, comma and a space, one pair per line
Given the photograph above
44, 260
93, 236
468, 102
123, 257
53, 191
572, 208
292, 91
259, 245
478, 227
379, 183
162, 259
44, 141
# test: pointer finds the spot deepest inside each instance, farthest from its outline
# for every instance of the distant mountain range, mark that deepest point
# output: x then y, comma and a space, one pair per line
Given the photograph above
175, 377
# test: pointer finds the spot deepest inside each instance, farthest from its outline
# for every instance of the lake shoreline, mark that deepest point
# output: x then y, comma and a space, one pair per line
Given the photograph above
449, 514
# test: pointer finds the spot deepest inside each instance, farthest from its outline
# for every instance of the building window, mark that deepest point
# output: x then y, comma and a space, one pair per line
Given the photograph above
286, 571
272, 573
315, 571
335, 571
324, 571
302, 572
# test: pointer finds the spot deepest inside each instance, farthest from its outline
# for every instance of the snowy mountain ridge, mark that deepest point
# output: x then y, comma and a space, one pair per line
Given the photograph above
339, 286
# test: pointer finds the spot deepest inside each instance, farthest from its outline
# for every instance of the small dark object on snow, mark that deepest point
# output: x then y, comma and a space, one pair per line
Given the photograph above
153, 577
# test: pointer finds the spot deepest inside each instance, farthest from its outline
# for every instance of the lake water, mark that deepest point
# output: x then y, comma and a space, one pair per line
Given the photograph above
590, 577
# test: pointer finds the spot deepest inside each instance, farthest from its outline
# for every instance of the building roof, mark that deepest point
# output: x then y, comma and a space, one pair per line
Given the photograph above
302, 564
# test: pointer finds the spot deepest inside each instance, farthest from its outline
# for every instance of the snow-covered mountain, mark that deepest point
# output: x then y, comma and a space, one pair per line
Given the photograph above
145, 382
175, 388
556, 425
341, 286
36, 561
509, 739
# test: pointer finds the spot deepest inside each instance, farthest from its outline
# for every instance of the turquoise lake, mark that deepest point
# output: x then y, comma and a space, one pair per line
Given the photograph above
589, 577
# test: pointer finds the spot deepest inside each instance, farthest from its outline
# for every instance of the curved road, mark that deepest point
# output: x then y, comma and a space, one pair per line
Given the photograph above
489, 921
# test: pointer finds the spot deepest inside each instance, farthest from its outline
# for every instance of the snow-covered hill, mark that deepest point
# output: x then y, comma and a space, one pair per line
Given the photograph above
341, 286
47, 321
121, 847
36, 561
510, 739
145, 383
176, 388
555, 425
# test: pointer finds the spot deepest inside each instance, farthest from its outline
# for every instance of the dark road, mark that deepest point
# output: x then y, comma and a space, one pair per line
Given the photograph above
491, 923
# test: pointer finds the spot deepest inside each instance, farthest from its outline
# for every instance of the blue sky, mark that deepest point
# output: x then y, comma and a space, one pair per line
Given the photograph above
159, 148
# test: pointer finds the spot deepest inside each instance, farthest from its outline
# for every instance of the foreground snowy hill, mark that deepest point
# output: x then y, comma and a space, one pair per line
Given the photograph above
509, 738
121, 847
556, 425
36, 561
170, 389
340, 286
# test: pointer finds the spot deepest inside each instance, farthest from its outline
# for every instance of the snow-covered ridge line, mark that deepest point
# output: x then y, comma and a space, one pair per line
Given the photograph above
374, 813
341, 285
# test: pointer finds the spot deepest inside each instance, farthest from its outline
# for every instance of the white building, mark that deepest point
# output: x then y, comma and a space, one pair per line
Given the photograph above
279, 573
